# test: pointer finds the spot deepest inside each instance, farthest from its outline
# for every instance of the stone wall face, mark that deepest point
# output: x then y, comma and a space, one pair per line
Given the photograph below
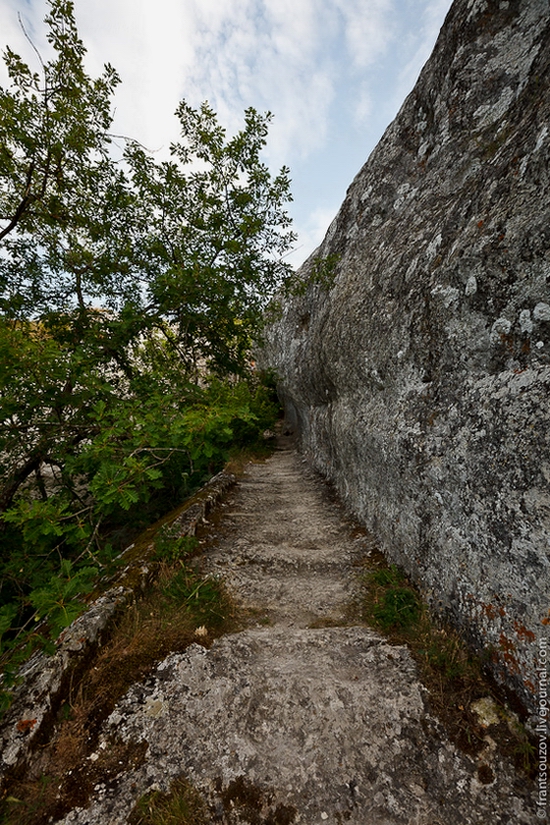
420, 381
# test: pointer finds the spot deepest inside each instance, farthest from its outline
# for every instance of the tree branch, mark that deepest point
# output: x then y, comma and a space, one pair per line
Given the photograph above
22, 208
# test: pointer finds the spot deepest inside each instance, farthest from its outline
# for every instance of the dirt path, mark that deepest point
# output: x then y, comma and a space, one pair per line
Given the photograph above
297, 719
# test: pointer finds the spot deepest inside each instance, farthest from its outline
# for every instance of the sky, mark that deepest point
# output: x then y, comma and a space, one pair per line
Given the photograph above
334, 74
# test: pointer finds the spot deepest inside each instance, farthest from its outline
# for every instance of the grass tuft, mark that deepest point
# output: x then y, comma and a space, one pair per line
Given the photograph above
454, 676
171, 548
183, 805
205, 599
393, 603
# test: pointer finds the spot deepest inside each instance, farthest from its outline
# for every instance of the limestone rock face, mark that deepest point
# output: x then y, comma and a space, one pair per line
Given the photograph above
419, 382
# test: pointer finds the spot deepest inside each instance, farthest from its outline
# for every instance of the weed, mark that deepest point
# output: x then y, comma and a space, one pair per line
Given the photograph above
454, 676
394, 603
446, 654
205, 598
183, 805
387, 576
399, 607
524, 751
171, 548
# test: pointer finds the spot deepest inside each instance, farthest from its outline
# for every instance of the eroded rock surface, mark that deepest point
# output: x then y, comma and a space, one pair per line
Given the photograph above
419, 383
286, 723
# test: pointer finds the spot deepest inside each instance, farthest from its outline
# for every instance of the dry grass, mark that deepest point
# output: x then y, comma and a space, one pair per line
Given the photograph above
164, 621
183, 805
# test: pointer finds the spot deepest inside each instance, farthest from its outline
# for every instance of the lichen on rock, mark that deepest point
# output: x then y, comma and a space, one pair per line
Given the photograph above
420, 384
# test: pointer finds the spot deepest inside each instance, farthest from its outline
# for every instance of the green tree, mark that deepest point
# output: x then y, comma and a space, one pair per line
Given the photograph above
124, 288
59, 187
212, 237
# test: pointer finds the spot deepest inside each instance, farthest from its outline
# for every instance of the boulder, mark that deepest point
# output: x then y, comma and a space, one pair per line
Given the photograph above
418, 379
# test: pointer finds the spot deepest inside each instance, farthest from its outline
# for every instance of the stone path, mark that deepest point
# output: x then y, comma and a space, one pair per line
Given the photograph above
296, 719
287, 548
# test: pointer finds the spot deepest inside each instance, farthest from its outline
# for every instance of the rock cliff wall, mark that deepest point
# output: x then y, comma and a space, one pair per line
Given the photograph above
420, 380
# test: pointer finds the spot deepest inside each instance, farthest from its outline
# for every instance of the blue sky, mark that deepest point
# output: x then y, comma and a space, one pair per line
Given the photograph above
333, 73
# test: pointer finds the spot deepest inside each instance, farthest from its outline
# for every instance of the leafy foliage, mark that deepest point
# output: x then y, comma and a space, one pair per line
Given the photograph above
57, 601
130, 293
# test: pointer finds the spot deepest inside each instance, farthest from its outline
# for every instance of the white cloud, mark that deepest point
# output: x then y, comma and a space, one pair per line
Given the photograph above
9, 26
149, 45
363, 103
333, 72
266, 55
284, 55
368, 28
11, 32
